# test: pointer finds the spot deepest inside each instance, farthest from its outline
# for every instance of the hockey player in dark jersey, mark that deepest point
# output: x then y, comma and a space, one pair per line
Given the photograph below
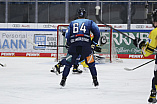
79, 42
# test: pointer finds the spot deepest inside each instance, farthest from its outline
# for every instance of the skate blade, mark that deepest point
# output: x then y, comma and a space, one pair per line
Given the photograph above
61, 87
152, 103
76, 73
54, 71
4, 65
96, 87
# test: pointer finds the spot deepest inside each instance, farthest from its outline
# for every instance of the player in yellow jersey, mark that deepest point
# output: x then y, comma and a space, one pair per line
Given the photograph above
148, 49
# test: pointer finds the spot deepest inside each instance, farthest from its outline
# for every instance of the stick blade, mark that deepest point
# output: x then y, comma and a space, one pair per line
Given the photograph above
128, 69
4, 65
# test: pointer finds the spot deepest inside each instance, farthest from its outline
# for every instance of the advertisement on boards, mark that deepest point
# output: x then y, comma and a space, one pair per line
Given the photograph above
16, 39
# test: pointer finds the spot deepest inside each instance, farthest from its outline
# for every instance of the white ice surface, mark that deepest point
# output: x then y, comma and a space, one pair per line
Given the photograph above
29, 81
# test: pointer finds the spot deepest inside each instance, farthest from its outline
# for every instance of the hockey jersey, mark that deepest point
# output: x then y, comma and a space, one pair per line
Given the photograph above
79, 32
151, 43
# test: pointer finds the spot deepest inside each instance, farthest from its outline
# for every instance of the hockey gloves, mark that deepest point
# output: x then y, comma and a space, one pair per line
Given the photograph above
139, 43
97, 49
63, 33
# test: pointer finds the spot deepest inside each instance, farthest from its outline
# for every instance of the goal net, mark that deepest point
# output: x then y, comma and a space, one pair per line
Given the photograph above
108, 51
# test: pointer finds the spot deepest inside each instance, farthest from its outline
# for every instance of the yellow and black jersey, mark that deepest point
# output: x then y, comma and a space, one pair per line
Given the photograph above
151, 43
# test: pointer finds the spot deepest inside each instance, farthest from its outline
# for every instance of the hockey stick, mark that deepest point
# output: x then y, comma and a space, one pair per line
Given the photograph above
53, 45
3, 65
129, 69
98, 19
29, 40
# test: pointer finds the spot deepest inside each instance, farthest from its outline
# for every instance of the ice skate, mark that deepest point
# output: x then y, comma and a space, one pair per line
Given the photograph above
95, 81
76, 70
152, 98
56, 69
62, 83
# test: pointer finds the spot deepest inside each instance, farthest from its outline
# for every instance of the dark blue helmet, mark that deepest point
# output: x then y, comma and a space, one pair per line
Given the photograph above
81, 13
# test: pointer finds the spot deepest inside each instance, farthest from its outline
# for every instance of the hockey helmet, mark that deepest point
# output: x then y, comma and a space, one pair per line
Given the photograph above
81, 13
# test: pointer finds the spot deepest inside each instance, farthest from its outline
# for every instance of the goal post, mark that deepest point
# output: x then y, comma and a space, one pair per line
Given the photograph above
108, 49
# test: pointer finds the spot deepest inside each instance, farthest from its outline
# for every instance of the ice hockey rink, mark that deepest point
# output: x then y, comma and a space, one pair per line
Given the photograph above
29, 81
